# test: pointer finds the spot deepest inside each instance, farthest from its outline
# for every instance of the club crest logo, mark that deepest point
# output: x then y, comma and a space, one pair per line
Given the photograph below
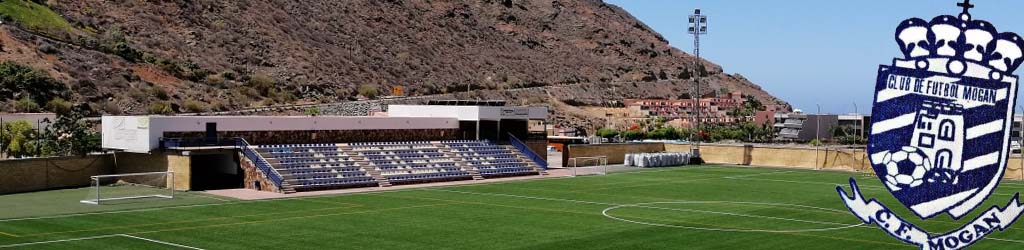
940, 129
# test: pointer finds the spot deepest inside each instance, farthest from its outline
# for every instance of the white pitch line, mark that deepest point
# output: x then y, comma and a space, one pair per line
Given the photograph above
99, 237
760, 174
829, 183
212, 197
613, 204
1006, 240
395, 191
525, 197
161, 242
58, 241
633, 205
740, 215
312, 197
680, 169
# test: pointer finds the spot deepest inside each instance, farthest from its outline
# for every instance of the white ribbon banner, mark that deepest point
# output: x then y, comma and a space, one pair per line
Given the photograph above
874, 212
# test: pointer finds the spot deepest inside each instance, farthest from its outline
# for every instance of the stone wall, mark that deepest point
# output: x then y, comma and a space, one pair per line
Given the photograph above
616, 152
357, 108
27, 175
329, 136
254, 175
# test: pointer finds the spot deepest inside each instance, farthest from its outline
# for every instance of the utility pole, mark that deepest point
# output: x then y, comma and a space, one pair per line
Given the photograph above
698, 25
858, 122
817, 133
1020, 140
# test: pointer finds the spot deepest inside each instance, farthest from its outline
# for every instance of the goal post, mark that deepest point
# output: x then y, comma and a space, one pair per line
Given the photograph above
113, 187
600, 166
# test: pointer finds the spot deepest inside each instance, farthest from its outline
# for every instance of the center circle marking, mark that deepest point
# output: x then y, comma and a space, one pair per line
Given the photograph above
606, 211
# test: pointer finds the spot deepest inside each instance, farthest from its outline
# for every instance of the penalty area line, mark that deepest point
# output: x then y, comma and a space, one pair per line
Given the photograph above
161, 242
100, 237
59, 241
9, 234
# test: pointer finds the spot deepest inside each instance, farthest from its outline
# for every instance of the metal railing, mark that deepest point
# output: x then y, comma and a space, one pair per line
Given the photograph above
259, 162
527, 151
240, 143
166, 143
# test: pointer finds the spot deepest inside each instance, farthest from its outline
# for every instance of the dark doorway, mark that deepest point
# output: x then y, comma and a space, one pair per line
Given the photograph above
211, 132
519, 128
216, 171
489, 130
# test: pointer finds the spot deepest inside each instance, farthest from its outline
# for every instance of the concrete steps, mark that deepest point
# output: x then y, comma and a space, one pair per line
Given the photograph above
522, 157
458, 161
287, 188
373, 172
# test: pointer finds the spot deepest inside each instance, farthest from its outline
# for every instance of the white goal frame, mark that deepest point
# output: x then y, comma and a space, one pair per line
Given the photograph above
169, 176
602, 162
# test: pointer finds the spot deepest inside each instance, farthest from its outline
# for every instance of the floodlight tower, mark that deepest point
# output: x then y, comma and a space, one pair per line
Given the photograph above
698, 26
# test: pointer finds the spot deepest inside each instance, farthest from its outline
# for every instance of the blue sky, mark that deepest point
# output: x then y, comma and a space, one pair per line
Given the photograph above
808, 52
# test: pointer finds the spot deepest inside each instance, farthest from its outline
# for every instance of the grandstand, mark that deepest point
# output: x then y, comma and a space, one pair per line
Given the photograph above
287, 154
329, 165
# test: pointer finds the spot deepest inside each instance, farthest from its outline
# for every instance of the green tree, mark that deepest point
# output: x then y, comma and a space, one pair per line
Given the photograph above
815, 142
367, 90
314, 111
750, 102
262, 83
70, 135
160, 108
195, 106
26, 105
633, 135
664, 133
59, 106
18, 139
18, 79
607, 133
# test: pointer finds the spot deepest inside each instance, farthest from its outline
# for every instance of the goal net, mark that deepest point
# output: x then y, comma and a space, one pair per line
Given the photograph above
597, 165
117, 187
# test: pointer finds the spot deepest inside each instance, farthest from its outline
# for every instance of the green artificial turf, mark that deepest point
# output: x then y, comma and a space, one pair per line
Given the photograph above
674, 208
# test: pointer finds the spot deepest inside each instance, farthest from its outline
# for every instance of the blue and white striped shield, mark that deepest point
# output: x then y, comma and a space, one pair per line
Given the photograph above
940, 129
939, 141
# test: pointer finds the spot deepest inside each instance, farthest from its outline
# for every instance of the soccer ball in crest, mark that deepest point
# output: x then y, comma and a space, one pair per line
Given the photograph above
905, 168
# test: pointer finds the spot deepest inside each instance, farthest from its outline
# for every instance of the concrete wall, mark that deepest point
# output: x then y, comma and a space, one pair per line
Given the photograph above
329, 136
781, 156
142, 133
539, 147
801, 157
614, 151
468, 113
1014, 169
182, 168
140, 163
27, 175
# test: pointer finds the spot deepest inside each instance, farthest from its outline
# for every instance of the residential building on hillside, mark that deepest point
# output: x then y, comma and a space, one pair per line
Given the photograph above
713, 109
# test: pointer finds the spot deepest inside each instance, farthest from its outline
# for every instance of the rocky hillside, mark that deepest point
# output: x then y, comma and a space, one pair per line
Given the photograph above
213, 55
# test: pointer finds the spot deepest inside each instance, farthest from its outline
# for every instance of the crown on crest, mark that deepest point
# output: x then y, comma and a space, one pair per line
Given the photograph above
961, 43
